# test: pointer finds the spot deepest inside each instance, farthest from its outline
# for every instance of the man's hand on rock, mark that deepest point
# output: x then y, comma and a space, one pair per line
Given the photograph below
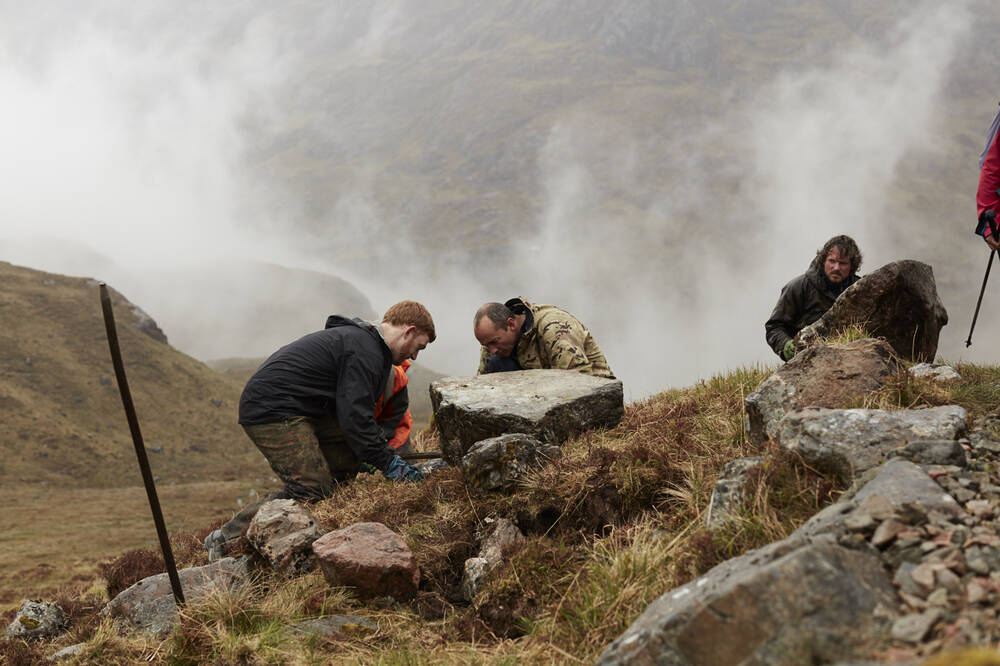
788, 351
400, 470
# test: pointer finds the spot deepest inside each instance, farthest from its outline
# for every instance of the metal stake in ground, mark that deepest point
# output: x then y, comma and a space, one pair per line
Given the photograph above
982, 290
140, 450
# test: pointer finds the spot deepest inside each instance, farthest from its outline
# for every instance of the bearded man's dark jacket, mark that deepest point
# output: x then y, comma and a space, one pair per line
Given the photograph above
802, 301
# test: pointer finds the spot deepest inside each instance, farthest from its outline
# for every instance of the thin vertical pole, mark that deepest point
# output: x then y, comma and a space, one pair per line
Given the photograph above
140, 450
982, 291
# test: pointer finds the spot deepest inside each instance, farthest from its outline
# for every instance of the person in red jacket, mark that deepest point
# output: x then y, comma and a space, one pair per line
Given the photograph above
987, 195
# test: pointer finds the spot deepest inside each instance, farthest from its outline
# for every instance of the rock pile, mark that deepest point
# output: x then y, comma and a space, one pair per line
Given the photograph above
819, 376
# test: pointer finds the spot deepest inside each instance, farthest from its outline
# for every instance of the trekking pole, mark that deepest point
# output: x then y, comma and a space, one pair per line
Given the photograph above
140, 450
982, 290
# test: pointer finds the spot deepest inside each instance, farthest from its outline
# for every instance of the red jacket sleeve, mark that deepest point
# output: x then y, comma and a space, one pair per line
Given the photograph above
989, 180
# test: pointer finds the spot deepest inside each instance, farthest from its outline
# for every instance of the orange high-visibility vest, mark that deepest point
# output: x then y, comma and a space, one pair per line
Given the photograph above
383, 406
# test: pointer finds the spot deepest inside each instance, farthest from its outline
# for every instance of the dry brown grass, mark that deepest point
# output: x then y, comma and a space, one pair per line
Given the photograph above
55, 538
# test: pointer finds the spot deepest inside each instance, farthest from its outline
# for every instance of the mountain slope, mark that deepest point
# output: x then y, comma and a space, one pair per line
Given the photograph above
59, 402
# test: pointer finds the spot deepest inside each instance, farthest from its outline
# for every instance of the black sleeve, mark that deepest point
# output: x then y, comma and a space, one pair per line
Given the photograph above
357, 388
780, 326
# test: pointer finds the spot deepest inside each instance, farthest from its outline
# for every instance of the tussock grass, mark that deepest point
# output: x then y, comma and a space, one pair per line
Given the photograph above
850, 334
978, 391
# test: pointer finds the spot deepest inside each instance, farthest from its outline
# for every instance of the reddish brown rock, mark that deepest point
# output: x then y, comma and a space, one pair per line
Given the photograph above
369, 557
819, 376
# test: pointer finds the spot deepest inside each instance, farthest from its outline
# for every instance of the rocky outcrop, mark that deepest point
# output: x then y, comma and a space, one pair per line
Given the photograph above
898, 302
283, 532
729, 494
149, 605
847, 442
820, 376
37, 620
370, 558
549, 405
794, 602
498, 463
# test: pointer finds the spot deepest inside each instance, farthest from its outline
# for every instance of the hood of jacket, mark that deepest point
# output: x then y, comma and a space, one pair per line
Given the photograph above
334, 321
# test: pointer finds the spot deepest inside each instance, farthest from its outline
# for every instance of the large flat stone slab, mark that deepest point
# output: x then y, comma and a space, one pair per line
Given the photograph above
849, 442
549, 405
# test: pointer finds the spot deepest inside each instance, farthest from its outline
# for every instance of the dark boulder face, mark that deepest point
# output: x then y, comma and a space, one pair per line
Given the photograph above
898, 302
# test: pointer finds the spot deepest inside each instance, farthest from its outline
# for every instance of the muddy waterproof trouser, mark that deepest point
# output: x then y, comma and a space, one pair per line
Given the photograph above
309, 455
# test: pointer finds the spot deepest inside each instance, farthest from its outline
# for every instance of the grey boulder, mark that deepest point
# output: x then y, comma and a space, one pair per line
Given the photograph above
149, 606
848, 442
794, 602
499, 462
898, 484
37, 620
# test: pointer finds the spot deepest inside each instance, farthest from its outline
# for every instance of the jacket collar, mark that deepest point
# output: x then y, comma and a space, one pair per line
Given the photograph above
520, 306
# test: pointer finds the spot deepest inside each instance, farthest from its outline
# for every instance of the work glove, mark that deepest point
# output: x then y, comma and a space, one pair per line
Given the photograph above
400, 470
987, 224
788, 351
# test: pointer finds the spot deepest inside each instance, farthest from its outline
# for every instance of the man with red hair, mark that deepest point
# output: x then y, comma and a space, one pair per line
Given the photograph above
311, 407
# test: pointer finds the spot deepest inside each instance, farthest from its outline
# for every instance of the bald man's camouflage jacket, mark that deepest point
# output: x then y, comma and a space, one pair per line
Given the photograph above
555, 339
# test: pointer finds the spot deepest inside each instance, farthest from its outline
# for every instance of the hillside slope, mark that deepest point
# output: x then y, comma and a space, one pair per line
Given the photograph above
59, 402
